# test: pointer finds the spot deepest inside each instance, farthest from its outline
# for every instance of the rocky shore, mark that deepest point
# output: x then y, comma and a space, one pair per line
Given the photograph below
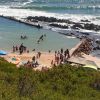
54, 22
83, 24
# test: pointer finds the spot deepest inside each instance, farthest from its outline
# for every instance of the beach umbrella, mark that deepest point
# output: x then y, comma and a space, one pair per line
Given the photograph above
91, 66
2, 52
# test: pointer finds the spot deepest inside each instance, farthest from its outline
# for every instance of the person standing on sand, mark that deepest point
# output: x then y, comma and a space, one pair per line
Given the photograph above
21, 49
61, 58
52, 62
33, 58
14, 49
39, 53
61, 50
28, 51
65, 53
57, 58
68, 55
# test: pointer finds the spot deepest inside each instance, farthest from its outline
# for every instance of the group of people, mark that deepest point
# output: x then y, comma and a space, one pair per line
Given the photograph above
41, 38
21, 49
34, 63
60, 57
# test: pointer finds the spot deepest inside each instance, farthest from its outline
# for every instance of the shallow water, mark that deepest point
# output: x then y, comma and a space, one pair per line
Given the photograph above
10, 32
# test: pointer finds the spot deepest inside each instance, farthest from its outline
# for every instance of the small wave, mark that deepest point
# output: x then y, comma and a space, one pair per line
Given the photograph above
70, 37
56, 7
22, 13
28, 2
68, 1
16, 3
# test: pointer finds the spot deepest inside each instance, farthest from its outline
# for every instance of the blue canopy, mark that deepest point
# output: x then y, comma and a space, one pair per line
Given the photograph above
2, 52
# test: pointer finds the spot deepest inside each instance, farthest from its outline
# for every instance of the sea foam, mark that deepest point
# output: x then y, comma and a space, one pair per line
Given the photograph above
25, 3
23, 13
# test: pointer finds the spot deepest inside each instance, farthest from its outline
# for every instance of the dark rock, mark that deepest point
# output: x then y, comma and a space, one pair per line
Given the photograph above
48, 19
92, 27
58, 25
77, 25
85, 21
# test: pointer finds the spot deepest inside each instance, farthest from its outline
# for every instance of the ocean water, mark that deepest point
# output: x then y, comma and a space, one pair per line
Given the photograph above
57, 6
65, 9
10, 32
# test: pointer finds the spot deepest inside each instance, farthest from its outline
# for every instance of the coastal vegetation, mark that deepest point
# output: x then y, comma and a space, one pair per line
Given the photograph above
64, 82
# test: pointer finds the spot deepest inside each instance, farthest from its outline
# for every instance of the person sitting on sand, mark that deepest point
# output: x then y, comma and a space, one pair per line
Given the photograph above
36, 64
28, 62
27, 51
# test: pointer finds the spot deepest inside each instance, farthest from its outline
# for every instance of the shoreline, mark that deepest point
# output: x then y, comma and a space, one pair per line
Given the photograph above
46, 58
76, 33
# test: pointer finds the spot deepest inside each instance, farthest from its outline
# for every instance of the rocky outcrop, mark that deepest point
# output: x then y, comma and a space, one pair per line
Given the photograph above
91, 26
48, 19
77, 25
58, 25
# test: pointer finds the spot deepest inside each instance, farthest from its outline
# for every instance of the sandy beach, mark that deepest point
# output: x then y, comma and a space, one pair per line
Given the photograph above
44, 60
77, 56
87, 44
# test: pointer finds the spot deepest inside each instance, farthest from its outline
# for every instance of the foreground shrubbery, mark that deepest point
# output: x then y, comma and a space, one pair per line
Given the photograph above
60, 83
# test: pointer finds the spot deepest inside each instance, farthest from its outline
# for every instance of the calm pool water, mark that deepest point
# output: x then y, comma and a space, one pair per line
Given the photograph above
10, 32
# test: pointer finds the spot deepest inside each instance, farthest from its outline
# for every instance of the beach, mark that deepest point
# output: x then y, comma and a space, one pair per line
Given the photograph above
49, 28
45, 59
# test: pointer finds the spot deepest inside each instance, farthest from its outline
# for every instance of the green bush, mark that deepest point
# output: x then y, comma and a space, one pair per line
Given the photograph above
63, 82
